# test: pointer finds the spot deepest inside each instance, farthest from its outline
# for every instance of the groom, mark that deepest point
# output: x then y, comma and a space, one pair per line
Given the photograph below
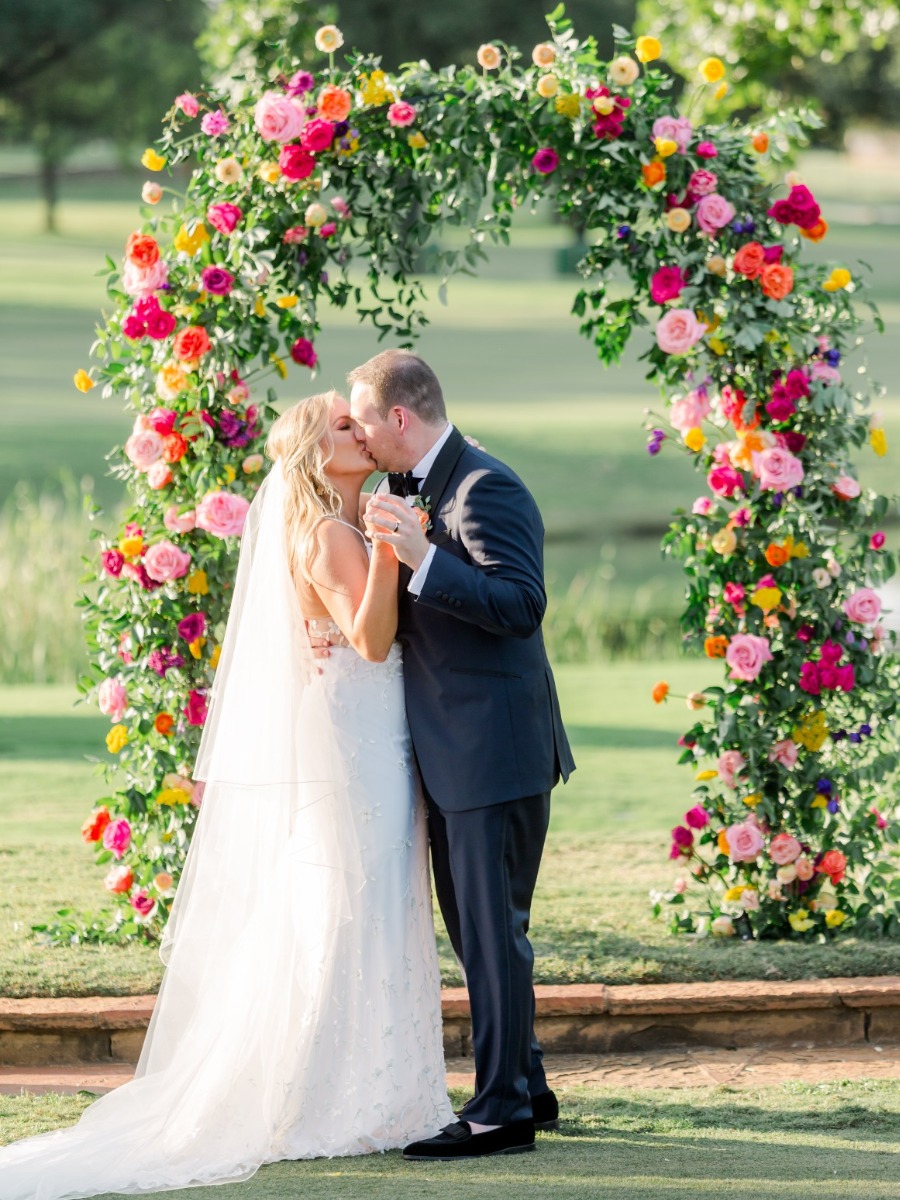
484, 719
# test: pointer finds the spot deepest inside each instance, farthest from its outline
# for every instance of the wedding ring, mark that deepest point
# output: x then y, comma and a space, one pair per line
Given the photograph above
396, 526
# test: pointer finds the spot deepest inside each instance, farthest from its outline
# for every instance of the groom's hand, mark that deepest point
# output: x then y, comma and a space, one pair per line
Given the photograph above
391, 519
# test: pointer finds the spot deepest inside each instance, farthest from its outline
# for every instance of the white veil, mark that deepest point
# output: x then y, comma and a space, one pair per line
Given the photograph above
249, 946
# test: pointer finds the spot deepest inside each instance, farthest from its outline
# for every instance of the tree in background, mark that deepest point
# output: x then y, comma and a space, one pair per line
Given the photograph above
244, 36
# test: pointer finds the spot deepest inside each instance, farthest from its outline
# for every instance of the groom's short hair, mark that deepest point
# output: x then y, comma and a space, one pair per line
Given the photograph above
399, 377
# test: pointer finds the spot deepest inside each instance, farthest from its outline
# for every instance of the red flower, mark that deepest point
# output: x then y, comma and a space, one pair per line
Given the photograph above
833, 864
142, 250
92, 829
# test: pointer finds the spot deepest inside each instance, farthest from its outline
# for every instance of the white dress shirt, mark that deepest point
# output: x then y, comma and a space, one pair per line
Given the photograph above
419, 471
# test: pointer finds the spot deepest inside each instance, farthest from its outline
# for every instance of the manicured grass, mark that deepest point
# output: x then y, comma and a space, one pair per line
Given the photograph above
802, 1142
607, 849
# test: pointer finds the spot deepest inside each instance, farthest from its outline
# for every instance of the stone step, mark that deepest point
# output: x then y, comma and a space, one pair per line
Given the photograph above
578, 1018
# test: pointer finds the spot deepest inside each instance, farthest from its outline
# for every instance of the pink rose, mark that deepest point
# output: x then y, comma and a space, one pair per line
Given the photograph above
144, 449
729, 764
329, 229
223, 217
162, 420
113, 562
545, 161
296, 162
164, 562
701, 506
690, 411
725, 481
674, 129
667, 284
317, 135
159, 475
784, 849
215, 123
682, 841
863, 607
707, 150
824, 372
188, 104
216, 280
341, 207
845, 487
179, 522
277, 119
117, 837
142, 903
745, 841
777, 469
112, 699
877, 540
678, 330
714, 212
784, 752
144, 281
733, 593
401, 114
746, 655
195, 709
697, 817
749, 900
222, 514
702, 182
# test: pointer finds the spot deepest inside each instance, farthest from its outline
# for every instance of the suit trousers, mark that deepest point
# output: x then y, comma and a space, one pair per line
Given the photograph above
485, 863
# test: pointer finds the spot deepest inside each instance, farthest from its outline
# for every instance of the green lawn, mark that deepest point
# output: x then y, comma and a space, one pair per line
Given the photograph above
801, 1142
608, 847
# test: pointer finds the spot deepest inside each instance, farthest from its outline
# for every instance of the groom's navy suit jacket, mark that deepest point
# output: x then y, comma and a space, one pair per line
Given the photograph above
480, 696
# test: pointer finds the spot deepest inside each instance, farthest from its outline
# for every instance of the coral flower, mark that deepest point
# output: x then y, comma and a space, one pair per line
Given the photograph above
660, 691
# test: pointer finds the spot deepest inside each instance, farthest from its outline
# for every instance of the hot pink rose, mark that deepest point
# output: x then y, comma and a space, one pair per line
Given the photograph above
117, 837
877, 540
164, 562
296, 162
401, 114
222, 514
216, 280
144, 449
162, 420
746, 655
113, 562
195, 709
179, 522
845, 487
729, 764
144, 281
777, 469
690, 411
678, 330
223, 217
707, 150
863, 607
703, 182
303, 352
725, 481
784, 752
666, 284
317, 135
545, 161
674, 129
142, 903
714, 212
277, 119
188, 104
112, 699
697, 817
745, 841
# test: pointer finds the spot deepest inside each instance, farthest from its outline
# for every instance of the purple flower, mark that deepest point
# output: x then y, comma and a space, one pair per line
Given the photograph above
832, 357
300, 83
833, 806
824, 786
623, 231
865, 730
855, 738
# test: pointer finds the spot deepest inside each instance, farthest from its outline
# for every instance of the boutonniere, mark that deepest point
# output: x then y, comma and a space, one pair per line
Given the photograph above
421, 505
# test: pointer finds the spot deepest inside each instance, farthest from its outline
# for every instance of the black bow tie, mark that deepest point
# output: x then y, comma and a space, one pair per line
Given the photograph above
403, 483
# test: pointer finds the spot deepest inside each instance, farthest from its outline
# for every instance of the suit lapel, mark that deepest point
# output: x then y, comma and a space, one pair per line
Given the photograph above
435, 482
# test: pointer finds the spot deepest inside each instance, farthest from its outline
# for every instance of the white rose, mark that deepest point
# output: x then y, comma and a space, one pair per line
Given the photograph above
623, 71
821, 577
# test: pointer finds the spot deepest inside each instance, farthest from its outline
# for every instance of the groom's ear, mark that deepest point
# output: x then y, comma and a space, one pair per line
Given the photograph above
399, 417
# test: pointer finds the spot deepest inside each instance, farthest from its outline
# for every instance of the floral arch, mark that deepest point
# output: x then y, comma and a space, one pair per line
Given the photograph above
299, 185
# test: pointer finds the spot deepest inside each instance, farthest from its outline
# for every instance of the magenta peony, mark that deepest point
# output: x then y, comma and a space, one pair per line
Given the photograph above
667, 284
216, 280
222, 514
317, 135
800, 208
296, 162
725, 481
746, 655
678, 331
304, 353
192, 626
697, 817
745, 841
164, 562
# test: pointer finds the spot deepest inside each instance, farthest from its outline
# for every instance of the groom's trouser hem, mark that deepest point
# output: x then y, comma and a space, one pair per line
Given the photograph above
485, 863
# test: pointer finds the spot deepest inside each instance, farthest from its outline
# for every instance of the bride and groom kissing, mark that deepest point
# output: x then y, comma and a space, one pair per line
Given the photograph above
383, 685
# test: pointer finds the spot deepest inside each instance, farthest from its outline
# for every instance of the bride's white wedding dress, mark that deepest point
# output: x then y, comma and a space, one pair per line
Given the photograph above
299, 1015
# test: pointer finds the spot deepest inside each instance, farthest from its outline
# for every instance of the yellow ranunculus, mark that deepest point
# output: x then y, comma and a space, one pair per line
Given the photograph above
82, 380
721, 91
568, 106
797, 549
734, 893
172, 796
717, 346
717, 265
190, 241
678, 219
214, 657
665, 147
229, 170
694, 439
374, 89
132, 545
547, 86
259, 307
230, 474
712, 70
647, 49
198, 584
800, 920
416, 140
270, 172
878, 442
839, 278
117, 739
151, 160
834, 917
286, 301
279, 365
623, 71
766, 598
702, 775
753, 799
196, 647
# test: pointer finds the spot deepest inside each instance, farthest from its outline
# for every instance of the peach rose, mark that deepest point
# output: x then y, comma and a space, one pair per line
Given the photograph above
119, 879
335, 103
164, 562
690, 411
784, 849
277, 119
143, 449
776, 281
543, 55
222, 514
863, 607
179, 522
171, 381
159, 475
488, 57
804, 868
745, 841
678, 331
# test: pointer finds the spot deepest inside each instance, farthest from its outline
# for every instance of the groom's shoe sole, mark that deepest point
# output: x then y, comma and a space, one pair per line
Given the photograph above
457, 1141
466, 1157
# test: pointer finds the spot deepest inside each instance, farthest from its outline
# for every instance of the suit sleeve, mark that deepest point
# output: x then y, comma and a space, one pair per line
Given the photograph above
502, 588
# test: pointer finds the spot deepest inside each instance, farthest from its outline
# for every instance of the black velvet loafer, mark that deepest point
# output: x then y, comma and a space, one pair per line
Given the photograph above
545, 1109
458, 1141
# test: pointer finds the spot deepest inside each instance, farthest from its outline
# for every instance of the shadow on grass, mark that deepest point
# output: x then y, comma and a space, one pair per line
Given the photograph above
46, 738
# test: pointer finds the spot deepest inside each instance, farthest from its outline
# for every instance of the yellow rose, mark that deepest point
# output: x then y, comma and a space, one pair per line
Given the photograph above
82, 380
131, 546
279, 365
328, 39
269, 172
259, 307
717, 346
834, 917
170, 381
568, 106
799, 920
543, 55
839, 278
191, 241
712, 70
214, 657
694, 439
229, 473
734, 893
724, 542
416, 140
678, 219
229, 170
488, 57
623, 71
665, 147
717, 265
286, 301
547, 86
197, 584
117, 739
647, 49
753, 799
152, 161
878, 442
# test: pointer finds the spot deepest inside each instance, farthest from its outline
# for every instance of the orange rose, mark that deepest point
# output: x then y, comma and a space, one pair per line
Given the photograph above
142, 250
660, 691
191, 343
777, 281
722, 842
164, 724
749, 260
834, 864
760, 142
776, 556
653, 173
92, 829
335, 103
174, 448
715, 647
816, 232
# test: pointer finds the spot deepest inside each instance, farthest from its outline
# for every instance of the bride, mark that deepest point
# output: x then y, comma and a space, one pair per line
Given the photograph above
299, 1015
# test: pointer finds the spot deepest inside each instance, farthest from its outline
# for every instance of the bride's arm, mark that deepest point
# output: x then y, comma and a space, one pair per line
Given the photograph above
360, 595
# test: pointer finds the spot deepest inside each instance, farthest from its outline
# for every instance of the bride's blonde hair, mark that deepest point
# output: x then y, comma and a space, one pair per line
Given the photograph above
302, 442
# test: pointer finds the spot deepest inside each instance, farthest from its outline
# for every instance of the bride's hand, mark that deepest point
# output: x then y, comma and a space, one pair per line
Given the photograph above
392, 521
473, 441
